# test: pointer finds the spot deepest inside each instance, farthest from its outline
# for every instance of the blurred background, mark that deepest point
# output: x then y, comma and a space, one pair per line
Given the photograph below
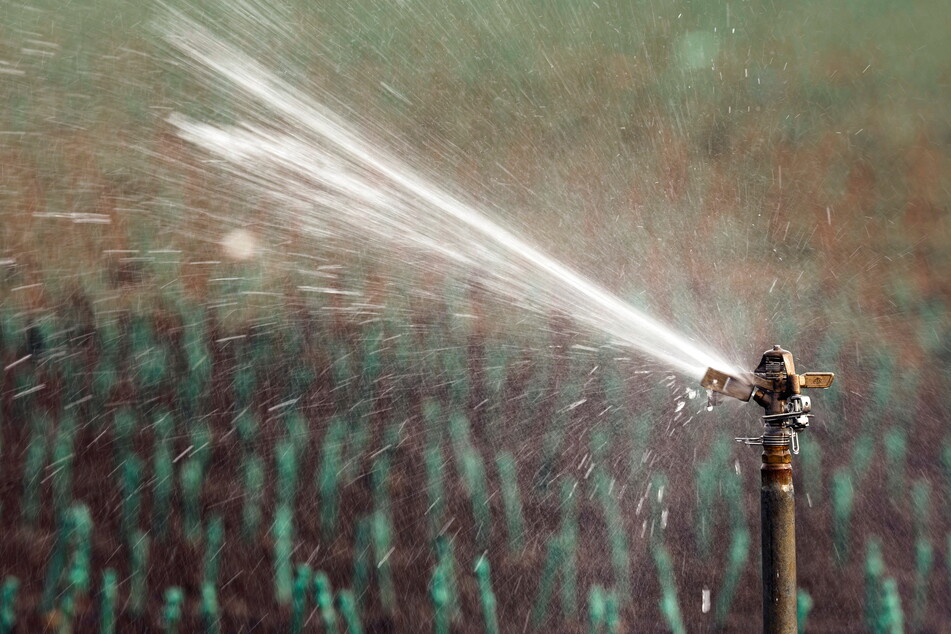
750, 173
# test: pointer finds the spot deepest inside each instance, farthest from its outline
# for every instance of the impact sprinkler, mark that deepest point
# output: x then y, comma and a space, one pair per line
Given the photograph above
775, 386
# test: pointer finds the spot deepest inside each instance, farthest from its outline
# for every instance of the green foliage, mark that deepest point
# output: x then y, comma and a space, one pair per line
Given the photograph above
324, 598
440, 593
382, 533
617, 533
435, 488
486, 596
209, 609
33, 472
896, 449
511, 500
921, 507
253, 497
708, 483
138, 588
172, 611
362, 557
669, 604
736, 562
843, 497
123, 430
473, 477
299, 600
214, 542
8, 604
329, 472
348, 612
892, 618
131, 494
62, 461
547, 582
804, 605
862, 453
67, 574
597, 610
191, 482
283, 531
163, 475
107, 605
924, 562
286, 456
569, 545
446, 569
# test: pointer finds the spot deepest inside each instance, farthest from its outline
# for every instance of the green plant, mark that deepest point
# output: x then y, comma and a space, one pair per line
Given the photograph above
669, 604
569, 552
612, 616
547, 582
486, 596
163, 475
253, 497
617, 533
924, 561
892, 618
441, 596
329, 474
804, 605
736, 563
107, 606
70, 559
138, 589
214, 542
511, 500
209, 609
596, 610
172, 610
921, 507
33, 472
348, 612
63, 460
286, 487
862, 453
324, 598
843, 497
708, 479
191, 477
283, 531
383, 548
362, 556
896, 449
8, 604
132, 494
301, 593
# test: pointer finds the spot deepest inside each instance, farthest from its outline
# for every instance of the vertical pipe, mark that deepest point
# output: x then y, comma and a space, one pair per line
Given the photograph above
778, 522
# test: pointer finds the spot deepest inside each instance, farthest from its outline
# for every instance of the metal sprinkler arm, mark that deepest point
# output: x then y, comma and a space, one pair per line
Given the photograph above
775, 386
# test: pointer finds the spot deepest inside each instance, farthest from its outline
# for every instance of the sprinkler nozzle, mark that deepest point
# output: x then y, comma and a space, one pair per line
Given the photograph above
775, 386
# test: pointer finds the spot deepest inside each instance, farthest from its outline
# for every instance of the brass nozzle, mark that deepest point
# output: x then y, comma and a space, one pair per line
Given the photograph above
771, 384
728, 384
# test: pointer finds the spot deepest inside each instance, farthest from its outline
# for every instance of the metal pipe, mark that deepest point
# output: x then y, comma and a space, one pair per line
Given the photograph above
778, 534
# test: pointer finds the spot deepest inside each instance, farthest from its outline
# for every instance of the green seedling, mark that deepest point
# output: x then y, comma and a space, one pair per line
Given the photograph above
8, 604
172, 610
283, 531
107, 605
299, 600
486, 596
324, 598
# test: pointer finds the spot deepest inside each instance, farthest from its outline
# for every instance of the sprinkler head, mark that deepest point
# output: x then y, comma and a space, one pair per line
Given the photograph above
773, 385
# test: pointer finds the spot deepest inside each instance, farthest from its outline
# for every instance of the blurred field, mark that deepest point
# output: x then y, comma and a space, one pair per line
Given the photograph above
752, 173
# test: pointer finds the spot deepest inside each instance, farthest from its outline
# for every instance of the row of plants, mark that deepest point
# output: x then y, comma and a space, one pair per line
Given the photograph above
298, 438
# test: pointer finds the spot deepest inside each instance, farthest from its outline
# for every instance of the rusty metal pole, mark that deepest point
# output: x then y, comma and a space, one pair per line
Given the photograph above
778, 532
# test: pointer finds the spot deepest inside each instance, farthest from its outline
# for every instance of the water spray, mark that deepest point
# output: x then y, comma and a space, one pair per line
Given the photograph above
776, 387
